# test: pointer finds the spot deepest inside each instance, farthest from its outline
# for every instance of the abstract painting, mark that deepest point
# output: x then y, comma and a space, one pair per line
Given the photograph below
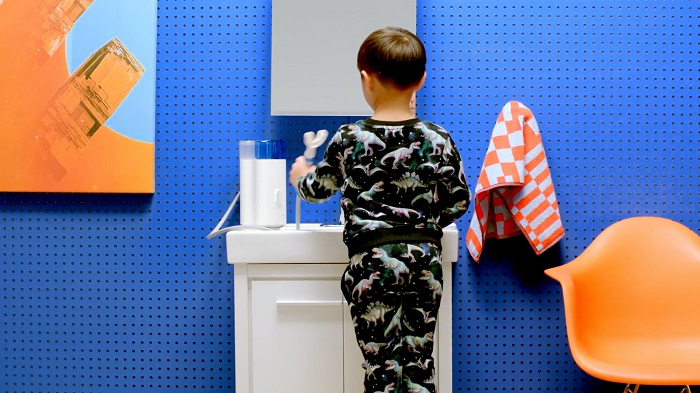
77, 96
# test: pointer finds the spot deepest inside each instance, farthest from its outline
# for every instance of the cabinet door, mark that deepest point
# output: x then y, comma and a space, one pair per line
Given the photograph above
297, 336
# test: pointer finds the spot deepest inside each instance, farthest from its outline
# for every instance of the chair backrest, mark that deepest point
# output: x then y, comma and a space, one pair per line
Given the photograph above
639, 277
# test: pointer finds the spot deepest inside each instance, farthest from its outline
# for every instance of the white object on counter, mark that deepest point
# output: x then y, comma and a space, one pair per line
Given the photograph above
287, 245
270, 193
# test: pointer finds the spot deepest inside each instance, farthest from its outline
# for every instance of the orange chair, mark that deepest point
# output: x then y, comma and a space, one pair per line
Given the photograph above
632, 304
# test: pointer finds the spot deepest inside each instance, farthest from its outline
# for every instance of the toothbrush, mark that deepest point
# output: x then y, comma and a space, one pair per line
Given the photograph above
312, 140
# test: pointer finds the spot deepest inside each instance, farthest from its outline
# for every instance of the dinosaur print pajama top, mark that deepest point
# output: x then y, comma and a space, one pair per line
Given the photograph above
401, 183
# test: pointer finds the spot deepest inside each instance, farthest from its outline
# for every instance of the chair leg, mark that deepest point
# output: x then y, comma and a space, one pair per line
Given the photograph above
686, 389
636, 388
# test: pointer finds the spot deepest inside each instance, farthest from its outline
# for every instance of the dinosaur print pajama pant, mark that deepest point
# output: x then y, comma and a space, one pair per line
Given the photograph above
394, 293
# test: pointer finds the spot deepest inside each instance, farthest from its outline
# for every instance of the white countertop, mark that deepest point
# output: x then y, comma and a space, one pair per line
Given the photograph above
312, 243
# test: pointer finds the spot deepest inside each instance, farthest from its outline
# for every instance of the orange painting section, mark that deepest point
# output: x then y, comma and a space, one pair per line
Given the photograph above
109, 163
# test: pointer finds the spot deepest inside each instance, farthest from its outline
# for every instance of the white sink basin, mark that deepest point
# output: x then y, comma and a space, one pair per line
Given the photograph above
313, 243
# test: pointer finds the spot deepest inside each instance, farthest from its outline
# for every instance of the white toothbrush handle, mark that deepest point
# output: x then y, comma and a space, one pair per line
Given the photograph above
312, 140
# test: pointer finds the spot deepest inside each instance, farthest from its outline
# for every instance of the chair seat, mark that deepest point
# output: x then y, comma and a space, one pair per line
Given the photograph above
642, 361
654, 373
632, 303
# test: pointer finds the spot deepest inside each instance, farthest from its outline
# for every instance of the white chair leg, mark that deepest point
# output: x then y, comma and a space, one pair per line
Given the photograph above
686, 389
636, 388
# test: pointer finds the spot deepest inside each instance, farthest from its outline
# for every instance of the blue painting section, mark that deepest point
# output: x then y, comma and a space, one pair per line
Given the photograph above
123, 293
133, 22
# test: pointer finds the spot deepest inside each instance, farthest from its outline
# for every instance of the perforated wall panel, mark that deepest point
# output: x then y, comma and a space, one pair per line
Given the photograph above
117, 293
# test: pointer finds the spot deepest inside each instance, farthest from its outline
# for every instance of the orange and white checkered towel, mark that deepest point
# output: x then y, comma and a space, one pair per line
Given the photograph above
515, 193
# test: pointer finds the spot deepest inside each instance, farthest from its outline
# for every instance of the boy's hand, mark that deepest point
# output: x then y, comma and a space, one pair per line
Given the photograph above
300, 168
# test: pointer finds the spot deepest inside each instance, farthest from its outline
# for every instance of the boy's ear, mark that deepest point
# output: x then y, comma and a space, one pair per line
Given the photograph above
422, 81
367, 80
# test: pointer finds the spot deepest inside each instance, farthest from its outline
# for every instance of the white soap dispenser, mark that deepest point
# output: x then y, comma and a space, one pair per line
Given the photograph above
263, 184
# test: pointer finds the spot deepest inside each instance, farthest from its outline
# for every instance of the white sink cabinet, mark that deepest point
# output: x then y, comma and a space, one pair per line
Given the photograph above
293, 330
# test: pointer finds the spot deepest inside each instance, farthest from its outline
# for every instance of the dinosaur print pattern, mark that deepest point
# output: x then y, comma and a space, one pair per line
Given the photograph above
367, 139
408, 181
399, 268
395, 314
408, 173
364, 285
400, 155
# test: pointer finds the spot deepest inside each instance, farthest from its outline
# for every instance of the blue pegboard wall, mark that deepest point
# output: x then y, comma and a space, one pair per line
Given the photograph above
118, 293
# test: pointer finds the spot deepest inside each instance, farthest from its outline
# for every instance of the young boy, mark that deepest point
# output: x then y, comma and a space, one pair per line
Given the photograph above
401, 181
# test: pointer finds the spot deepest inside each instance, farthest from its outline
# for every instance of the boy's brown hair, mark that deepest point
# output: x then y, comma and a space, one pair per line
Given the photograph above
394, 55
